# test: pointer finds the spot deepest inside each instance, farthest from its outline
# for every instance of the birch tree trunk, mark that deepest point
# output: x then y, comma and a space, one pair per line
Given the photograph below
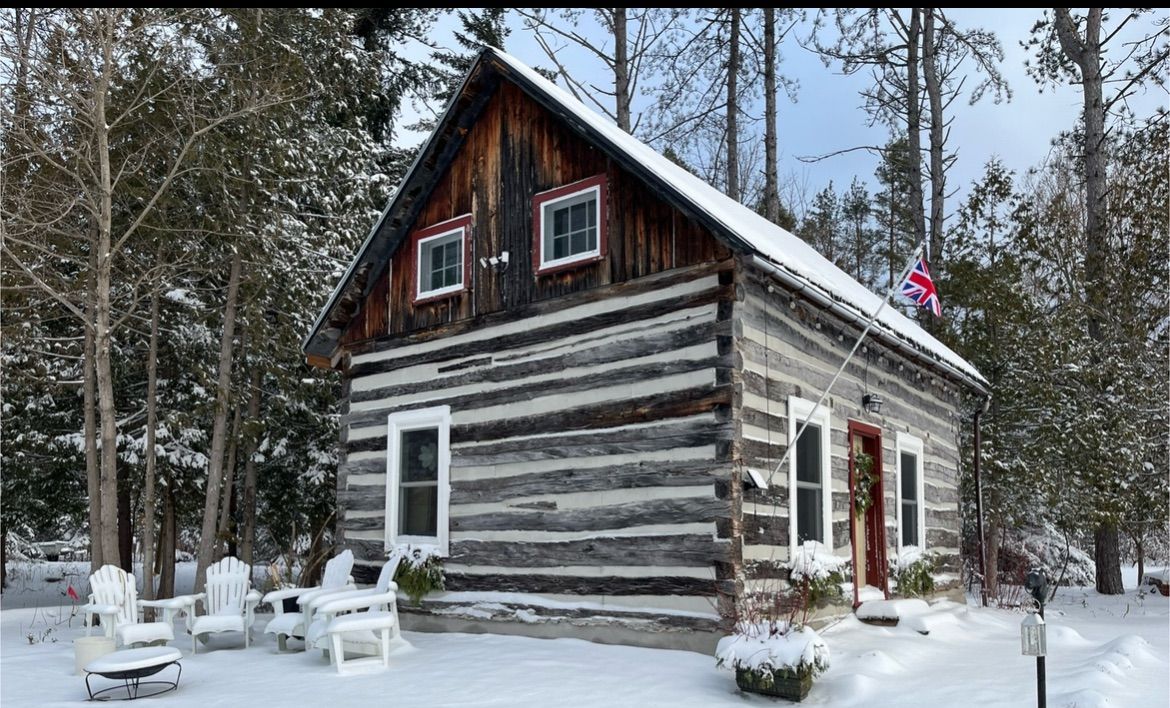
914, 124
148, 535
102, 336
733, 108
93, 472
621, 68
937, 139
771, 166
219, 426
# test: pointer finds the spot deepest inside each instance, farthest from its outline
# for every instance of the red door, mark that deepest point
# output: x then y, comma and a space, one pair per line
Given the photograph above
868, 529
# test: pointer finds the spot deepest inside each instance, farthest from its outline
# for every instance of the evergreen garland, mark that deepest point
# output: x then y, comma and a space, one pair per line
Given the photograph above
863, 481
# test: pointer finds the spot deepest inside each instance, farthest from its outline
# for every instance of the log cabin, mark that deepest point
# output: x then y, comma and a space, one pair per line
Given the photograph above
573, 368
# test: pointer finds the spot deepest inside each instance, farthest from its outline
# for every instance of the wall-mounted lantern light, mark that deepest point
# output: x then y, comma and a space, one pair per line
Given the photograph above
872, 402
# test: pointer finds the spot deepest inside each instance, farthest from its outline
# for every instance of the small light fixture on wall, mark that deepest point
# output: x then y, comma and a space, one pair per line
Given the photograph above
497, 263
872, 403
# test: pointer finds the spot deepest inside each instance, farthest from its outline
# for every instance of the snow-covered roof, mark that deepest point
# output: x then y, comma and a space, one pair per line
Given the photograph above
779, 252
770, 241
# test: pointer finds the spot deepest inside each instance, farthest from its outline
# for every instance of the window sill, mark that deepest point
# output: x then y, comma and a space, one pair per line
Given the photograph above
431, 299
569, 265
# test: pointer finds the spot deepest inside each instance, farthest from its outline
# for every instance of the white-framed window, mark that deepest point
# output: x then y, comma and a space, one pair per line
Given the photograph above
441, 259
418, 486
569, 225
910, 489
810, 516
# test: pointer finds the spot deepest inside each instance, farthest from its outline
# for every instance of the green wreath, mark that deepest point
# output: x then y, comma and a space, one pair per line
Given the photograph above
864, 480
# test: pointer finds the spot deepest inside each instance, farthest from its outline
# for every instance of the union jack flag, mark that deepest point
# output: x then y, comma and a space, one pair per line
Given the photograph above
920, 288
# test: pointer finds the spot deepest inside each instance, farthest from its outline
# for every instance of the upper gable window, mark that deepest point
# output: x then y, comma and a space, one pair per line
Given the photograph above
569, 225
442, 259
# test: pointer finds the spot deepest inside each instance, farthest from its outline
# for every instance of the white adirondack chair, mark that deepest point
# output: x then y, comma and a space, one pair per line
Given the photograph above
229, 602
381, 597
114, 597
294, 624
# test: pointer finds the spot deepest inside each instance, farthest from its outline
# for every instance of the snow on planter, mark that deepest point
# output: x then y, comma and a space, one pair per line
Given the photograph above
774, 647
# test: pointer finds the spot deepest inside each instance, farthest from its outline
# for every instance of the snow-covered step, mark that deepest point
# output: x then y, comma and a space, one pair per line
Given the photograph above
889, 613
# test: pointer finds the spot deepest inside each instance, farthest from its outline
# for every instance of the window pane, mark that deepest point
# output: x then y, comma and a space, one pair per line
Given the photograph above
591, 240
451, 253
809, 526
909, 524
808, 455
419, 455
561, 247
591, 208
909, 476
577, 214
419, 510
577, 242
560, 221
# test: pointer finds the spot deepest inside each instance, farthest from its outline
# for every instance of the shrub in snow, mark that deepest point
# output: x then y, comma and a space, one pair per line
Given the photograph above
768, 647
420, 571
913, 572
1046, 548
813, 564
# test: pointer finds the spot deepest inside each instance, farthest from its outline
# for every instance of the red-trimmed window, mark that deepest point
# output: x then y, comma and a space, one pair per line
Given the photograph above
569, 225
441, 255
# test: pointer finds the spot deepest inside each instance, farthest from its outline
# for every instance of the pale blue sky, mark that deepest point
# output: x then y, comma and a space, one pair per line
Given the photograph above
828, 114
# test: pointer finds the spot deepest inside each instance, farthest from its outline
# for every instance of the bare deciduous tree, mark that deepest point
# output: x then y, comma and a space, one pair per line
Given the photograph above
634, 32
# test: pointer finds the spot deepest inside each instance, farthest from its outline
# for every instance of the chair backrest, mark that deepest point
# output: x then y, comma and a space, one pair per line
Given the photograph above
228, 582
337, 570
111, 585
388, 570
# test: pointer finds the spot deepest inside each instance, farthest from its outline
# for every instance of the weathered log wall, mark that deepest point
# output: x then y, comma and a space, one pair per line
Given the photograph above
791, 348
591, 445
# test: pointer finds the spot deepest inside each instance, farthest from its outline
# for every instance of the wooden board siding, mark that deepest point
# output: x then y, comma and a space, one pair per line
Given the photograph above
789, 351
514, 150
589, 442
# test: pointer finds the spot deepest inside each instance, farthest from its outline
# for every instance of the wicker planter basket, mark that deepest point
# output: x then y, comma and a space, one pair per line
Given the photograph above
782, 683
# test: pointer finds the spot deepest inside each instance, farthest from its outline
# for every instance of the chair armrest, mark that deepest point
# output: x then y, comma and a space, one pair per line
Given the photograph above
349, 604
306, 600
323, 597
279, 595
102, 610
172, 603
173, 606
252, 599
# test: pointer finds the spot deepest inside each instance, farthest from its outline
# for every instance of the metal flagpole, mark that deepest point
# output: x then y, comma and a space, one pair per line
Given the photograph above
869, 325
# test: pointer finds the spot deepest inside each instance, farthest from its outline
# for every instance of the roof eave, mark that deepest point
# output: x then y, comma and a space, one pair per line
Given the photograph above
307, 344
972, 379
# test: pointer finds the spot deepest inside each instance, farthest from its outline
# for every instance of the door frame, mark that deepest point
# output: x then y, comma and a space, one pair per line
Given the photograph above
857, 428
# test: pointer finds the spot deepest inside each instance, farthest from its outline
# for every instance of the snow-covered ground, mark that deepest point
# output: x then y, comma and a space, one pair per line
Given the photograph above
1103, 651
